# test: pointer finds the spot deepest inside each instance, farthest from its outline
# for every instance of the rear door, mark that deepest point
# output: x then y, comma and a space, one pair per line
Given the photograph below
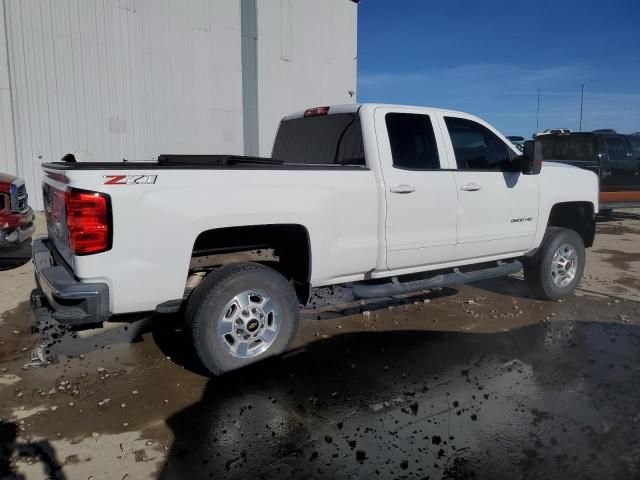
419, 187
619, 171
497, 206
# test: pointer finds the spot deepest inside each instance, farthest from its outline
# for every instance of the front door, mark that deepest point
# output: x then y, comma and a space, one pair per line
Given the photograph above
420, 191
497, 206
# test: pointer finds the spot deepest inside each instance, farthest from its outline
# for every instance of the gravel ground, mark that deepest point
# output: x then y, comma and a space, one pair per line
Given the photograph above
468, 382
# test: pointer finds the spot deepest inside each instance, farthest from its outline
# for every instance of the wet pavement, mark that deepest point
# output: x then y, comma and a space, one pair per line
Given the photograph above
546, 401
468, 382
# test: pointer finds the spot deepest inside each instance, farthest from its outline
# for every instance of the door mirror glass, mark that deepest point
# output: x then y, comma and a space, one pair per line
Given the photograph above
531, 160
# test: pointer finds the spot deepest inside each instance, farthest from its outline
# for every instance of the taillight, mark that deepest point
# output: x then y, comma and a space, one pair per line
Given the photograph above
88, 221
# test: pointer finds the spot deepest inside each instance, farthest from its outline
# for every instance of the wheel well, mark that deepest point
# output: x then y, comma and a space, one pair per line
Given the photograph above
285, 248
578, 216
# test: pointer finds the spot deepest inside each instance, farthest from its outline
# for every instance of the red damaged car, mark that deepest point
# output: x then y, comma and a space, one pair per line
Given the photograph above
16, 217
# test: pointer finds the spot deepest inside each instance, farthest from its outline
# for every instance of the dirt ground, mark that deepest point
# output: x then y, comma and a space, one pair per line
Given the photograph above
468, 382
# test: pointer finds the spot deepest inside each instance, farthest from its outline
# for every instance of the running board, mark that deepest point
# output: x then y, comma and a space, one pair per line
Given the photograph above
395, 287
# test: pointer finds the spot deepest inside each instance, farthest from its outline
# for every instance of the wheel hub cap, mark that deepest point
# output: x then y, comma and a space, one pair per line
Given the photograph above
564, 265
249, 324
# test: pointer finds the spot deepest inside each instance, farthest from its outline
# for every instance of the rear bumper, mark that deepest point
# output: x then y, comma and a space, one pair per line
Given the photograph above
72, 302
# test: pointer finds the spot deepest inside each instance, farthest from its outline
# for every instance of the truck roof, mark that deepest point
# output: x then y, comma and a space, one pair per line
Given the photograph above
354, 107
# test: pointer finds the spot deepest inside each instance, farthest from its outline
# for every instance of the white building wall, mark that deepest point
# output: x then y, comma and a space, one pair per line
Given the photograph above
307, 56
8, 161
137, 78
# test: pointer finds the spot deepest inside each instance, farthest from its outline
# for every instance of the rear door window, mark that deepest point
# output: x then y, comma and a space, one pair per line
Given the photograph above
334, 139
547, 146
413, 143
476, 147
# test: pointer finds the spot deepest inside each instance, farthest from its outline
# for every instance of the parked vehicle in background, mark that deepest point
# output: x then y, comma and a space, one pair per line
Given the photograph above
614, 158
517, 141
605, 130
636, 134
382, 199
16, 217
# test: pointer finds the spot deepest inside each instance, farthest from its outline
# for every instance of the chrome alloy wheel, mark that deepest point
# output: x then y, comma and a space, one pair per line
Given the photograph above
564, 265
249, 324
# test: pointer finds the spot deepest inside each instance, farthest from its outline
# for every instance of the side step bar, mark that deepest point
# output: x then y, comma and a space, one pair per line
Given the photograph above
395, 287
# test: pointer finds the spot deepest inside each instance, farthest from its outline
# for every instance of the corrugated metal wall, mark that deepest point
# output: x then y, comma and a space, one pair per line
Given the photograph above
137, 78
121, 79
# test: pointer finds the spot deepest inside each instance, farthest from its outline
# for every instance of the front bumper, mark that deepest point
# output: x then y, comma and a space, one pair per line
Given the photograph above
15, 236
72, 302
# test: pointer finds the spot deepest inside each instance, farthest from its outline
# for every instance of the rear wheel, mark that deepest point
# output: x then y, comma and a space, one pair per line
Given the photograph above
556, 269
240, 314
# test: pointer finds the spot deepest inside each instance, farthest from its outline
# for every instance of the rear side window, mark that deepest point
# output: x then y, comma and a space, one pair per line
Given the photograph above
547, 146
574, 147
413, 144
476, 147
321, 140
635, 147
616, 149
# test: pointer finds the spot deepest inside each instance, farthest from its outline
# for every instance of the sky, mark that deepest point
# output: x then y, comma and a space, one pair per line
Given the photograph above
490, 57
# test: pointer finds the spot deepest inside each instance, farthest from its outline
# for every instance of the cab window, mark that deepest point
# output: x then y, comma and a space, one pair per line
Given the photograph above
476, 147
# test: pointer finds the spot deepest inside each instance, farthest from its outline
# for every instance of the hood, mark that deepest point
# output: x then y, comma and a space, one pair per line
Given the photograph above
5, 180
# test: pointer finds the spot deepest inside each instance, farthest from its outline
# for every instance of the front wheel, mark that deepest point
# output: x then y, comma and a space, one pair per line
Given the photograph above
556, 268
240, 314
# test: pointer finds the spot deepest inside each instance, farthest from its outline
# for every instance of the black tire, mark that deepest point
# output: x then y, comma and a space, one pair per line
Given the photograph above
204, 314
538, 269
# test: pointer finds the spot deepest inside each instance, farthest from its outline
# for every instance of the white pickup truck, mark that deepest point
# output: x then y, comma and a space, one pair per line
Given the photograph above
384, 199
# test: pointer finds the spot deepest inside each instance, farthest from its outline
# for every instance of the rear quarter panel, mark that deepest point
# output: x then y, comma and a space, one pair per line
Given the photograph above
155, 226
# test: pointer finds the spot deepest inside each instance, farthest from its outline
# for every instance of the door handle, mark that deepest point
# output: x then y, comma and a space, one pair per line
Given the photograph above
471, 187
403, 189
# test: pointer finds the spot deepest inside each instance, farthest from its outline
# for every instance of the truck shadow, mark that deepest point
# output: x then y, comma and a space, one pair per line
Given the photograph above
14, 257
509, 286
36, 452
617, 216
414, 404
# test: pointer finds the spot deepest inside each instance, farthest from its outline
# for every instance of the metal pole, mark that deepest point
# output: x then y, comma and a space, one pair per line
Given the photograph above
581, 105
538, 114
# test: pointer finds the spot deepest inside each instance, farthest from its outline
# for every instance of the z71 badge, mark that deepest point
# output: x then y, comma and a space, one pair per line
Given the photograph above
129, 179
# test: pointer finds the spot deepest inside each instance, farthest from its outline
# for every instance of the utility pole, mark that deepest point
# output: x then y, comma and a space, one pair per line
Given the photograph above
581, 105
538, 114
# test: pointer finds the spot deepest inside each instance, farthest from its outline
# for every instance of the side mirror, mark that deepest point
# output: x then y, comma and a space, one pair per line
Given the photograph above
531, 160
